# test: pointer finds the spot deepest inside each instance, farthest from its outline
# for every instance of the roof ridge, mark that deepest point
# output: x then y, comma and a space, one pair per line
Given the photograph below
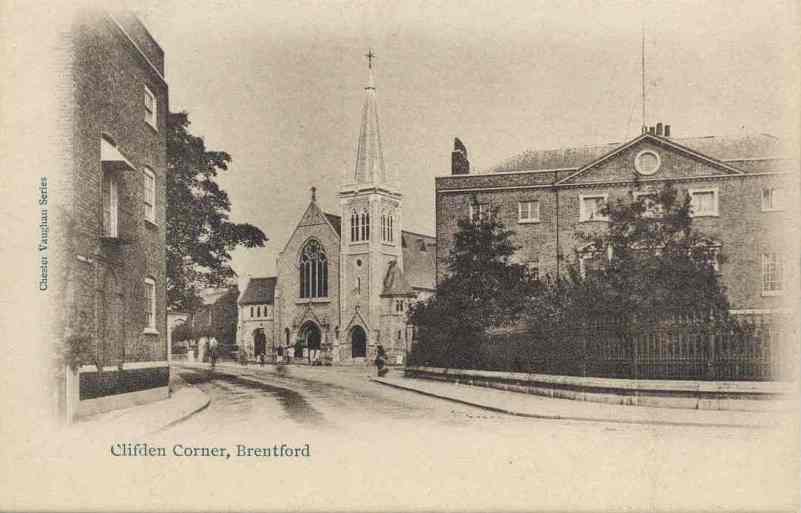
419, 234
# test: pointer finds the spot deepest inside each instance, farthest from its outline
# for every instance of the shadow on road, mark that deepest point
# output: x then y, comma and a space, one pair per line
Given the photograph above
294, 404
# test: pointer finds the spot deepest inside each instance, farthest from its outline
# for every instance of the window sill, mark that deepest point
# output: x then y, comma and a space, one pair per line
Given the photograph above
359, 243
150, 331
152, 126
303, 301
598, 220
528, 221
151, 222
772, 293
389, 244
704, 215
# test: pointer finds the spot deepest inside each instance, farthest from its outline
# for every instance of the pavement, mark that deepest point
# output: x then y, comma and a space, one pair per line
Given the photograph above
539, 407
147, 419
186, 400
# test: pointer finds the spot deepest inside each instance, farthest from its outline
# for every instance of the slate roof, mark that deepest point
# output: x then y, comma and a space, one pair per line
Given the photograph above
336, 222
419, 254
395, 283
259, 291
725, 148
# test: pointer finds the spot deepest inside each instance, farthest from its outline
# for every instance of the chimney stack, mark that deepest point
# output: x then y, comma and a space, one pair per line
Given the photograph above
667, 130
459, 163
659, 128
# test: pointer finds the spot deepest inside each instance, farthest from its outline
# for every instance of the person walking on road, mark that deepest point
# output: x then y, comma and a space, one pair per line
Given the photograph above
381, 361
213, 352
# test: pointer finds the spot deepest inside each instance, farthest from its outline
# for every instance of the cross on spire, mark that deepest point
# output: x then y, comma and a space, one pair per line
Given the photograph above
370, 56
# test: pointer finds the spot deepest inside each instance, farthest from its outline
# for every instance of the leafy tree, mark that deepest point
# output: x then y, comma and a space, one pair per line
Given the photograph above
200, 235
484, 289
653, 262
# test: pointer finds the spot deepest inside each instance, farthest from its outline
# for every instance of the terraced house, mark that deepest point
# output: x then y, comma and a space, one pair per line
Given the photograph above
113, 213
743, 192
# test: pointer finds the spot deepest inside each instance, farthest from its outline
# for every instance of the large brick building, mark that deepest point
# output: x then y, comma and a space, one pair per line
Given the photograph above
344, 281
742, 190
112, 213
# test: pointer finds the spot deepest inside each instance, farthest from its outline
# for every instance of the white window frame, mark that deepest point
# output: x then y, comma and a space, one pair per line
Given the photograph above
532, 213
150, 312
150, 177
777, 199
583, 215
715, 195
658, 211
152, 111
778, 271
483, 209
111, 229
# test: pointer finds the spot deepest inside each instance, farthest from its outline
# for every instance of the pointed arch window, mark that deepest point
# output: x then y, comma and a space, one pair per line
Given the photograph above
354, 226
313, 271
387, 226
364, 225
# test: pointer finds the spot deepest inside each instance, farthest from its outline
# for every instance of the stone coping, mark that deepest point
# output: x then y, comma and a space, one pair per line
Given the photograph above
768, 388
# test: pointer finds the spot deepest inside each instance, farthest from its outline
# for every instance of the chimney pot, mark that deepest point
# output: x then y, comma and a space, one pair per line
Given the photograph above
659, 128
667, 130
652, 130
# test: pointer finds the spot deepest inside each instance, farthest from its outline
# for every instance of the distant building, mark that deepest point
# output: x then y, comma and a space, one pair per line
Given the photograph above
742, 191
113, 213
216, 317
344, 281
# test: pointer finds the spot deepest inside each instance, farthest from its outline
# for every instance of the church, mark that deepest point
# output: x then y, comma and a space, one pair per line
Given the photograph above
344, 281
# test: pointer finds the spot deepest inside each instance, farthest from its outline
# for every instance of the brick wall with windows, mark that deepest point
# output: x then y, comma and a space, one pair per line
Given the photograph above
746, 221
116, 211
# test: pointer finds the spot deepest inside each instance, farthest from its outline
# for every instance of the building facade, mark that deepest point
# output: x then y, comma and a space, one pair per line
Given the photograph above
345, 280
741, 190
113, 213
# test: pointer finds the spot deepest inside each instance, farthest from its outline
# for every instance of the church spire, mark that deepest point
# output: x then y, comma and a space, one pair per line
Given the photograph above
369, 155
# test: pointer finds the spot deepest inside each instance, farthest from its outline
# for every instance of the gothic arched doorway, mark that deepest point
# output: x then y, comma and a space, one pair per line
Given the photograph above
311, 338
259, 342
358, 341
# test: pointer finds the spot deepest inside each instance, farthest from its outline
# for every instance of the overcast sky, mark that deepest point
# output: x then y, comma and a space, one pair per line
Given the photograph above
280, 86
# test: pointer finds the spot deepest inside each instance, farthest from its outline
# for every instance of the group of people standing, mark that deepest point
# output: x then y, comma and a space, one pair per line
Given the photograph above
282, 356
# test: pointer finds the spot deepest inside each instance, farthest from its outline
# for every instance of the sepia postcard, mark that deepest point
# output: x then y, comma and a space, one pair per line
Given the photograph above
401, 256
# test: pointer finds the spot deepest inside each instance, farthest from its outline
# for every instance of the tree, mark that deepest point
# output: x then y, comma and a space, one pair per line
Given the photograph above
200, 235
484, 289
653, 262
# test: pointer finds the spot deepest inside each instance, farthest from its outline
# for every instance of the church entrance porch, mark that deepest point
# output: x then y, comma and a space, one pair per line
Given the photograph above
259, 343
309, 342
358, 341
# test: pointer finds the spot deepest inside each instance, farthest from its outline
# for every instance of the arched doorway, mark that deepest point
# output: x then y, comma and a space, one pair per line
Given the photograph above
311, 338
259, 342
358, 341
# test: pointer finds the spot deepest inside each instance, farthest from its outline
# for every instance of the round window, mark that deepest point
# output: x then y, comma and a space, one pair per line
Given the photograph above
647, 162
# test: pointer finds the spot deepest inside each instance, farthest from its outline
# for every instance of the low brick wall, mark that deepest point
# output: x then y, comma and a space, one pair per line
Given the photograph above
701, 395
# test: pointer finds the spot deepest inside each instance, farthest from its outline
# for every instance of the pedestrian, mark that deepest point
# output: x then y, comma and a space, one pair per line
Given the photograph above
381, 361
213, 351
280, 355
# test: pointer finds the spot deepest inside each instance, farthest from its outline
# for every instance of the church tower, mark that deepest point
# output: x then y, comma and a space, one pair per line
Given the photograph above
370, 203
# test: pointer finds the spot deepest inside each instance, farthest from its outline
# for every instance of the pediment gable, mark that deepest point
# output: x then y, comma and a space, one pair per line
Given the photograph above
357, 320
312, 216
649, 157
